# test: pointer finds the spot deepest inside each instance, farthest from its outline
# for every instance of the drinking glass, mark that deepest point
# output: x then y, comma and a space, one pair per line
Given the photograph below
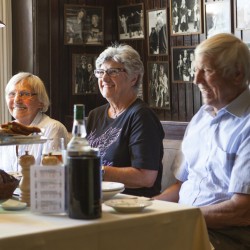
55, 147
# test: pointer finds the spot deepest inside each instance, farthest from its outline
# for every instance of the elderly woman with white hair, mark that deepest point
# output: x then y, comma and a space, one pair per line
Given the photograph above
127, 132
27, 101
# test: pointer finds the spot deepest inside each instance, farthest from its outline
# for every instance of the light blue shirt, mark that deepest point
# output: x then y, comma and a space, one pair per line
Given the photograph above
216, 154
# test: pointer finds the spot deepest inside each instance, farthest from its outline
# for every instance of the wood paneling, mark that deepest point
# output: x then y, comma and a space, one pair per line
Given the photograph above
38, 47
22, 35
174, 130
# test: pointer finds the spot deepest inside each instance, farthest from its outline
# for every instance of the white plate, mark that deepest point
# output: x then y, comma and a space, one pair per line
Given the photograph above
13, 205
19, 136
111, 186
22, 140
128, 205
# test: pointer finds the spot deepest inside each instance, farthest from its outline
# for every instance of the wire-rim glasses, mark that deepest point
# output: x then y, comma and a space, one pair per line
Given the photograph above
112, 72
22, 94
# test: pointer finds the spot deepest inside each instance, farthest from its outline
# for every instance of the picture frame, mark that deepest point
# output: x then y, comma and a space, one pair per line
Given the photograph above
131, 21
217, 17
159, 86
183, 67
83, 25
140, 92
83, 78
185, 17
157, 32
242, 14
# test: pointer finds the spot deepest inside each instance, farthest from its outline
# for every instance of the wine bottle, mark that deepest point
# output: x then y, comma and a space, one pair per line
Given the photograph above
78, 143
83, 176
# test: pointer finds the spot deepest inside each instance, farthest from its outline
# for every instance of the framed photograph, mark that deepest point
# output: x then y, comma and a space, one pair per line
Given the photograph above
242, 14
140, 92
131, 21
185, 17
83, 78
159, 89
83, 25
218, 17
157, 30
183, 67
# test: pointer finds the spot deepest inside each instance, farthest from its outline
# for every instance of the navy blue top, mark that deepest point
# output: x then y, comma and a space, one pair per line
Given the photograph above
134, 139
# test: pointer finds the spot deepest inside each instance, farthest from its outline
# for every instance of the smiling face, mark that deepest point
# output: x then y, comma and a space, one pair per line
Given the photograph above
119, 87
23, 109
217, 91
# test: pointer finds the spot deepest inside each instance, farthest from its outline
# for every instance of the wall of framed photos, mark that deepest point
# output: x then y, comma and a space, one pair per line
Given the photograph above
164, 32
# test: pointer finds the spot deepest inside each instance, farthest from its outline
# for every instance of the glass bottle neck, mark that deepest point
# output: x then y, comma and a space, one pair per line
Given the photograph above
79, 129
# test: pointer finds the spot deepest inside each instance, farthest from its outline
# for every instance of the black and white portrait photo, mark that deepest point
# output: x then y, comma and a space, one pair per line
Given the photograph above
159, 96
83, 78
83, 25
140, 92
131, 21
185, 16
218, 17
157, 32
183, 64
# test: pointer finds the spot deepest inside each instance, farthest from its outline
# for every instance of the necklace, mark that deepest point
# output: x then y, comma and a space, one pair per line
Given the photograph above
115, 114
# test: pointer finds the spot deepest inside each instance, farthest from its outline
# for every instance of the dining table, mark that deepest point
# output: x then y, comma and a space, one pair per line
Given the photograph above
160, 226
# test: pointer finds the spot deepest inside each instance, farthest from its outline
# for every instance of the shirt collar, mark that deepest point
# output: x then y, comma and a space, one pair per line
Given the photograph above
237, 107
240, 105
37, 119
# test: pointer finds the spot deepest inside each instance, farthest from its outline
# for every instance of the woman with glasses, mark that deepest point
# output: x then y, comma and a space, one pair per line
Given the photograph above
27, 101
127, 132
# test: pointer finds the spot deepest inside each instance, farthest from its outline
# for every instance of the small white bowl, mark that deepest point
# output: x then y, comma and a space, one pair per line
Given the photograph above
13, 205
110, 189
111, 186
110, 194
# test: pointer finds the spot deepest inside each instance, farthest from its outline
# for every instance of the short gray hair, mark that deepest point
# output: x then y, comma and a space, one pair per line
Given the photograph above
36, 84
126, 55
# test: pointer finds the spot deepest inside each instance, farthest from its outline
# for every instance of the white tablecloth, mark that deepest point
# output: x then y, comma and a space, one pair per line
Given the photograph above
163, 225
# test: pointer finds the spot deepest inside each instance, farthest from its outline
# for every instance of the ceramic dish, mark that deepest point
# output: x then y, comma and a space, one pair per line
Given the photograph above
19, 136
128, 205
111, 186
106, 195
13, 205
22, 140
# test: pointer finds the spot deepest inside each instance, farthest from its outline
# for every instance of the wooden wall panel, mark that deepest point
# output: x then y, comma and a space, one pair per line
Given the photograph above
22, 35
38, 47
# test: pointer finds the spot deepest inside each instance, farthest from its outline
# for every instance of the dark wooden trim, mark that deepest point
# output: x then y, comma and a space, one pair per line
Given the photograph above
174, 130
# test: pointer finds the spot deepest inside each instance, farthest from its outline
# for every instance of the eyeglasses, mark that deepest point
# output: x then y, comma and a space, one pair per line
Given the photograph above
21, 94
111, 72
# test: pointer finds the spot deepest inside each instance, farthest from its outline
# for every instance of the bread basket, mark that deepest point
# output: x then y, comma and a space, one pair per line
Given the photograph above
8, 184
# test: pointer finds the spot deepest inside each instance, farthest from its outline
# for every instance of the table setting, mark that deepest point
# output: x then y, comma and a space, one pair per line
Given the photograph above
111, 196
156, 225
101, 217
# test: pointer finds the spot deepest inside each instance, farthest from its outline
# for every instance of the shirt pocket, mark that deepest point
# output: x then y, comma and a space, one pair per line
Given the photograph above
221, 162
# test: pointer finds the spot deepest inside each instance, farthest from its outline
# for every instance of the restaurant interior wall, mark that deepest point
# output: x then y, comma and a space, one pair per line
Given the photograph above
38, 47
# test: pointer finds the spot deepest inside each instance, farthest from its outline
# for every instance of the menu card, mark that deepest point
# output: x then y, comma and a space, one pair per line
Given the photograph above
47, 189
